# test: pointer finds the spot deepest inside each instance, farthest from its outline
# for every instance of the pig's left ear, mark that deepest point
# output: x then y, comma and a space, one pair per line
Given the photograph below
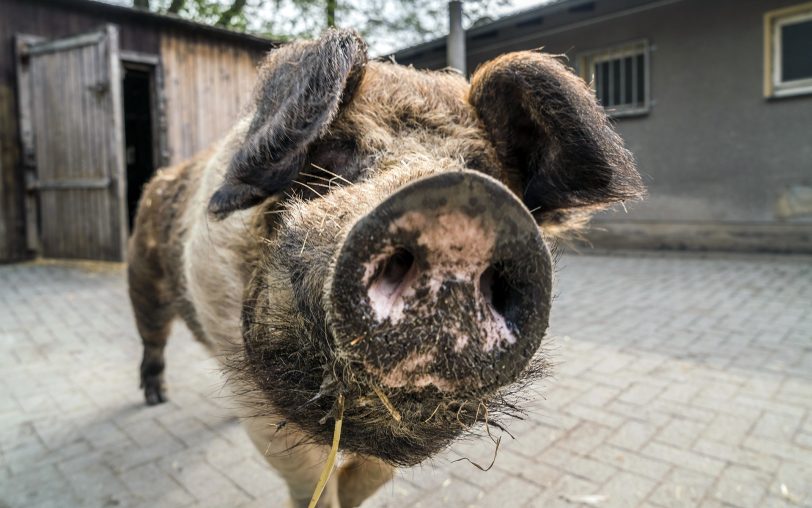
547, 126
302, 86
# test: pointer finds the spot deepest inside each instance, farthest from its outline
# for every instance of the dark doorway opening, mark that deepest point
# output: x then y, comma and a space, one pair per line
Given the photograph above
139, 136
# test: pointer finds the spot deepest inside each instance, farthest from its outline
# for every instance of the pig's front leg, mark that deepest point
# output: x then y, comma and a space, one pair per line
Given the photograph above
359, 478
299, 464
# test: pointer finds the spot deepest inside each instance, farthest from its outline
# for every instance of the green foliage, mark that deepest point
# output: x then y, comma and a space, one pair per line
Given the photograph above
211, 12
386, 24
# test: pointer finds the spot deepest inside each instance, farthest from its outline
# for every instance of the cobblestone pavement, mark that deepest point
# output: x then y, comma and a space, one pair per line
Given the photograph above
681, 381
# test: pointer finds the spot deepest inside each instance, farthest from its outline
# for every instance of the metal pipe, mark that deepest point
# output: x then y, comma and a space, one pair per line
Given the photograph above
455, 48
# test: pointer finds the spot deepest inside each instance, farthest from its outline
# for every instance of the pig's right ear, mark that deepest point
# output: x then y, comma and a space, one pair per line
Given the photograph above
302, 86
548, 129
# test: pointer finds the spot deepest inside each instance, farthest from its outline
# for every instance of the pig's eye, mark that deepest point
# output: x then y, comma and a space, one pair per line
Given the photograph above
498, 292
396, 267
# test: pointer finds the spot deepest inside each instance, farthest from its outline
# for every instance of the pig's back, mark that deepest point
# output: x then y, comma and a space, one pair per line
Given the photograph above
155, 253
196, 264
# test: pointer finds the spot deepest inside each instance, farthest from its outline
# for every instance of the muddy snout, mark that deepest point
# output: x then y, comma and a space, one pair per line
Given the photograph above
445, 284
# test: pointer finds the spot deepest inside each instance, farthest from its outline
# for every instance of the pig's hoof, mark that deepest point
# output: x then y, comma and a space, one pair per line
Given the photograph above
154, 391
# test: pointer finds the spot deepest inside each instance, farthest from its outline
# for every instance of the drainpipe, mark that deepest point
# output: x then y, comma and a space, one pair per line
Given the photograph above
455, 48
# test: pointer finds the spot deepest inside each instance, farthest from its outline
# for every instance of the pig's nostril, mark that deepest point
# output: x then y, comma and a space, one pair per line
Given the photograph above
395, 270
391, 279
397, 266
498, 292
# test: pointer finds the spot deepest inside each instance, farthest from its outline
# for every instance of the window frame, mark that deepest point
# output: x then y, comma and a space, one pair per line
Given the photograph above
774, 21
586, 69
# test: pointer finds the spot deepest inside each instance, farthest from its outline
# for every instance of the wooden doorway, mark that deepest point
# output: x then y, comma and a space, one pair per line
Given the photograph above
79, 100
144, 141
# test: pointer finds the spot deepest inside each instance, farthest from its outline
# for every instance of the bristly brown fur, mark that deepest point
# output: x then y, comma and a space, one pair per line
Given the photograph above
330, 137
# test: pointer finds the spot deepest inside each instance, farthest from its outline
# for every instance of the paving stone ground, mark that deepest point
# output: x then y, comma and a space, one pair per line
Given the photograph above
681, 380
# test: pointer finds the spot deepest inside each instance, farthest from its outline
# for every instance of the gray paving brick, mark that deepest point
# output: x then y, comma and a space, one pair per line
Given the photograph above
740, 486
598, 396
556, 420
200, 479
728, 429
680, 433
692, 389
589, 469
626, 489
35, 486
683, 411
398, 493
558, 456
594, 415
149, 483
779, 449
613, 364
713, 503
456, 492
512, 492
631, 462
431, 476
633, 435
776, 502
539, 439
680, 392
568, 491
777, 426
682, 487
558, 396
585, 437
95, 485
774, 406
513, 464
640, 394
793, 483
683, 458
255, 477
803, 439
103, 434
737, 455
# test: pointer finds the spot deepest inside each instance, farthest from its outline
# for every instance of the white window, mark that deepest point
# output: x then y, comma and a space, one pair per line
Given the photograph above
620, 77
788, 51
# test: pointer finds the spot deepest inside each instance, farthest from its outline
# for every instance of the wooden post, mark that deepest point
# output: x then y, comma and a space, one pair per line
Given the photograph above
117, 163
32, 233
455, 48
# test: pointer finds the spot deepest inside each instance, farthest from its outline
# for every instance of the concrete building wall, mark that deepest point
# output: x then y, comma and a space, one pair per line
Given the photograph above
717, 156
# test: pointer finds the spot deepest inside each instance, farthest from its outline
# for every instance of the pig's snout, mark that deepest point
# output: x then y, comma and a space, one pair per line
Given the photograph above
446, 283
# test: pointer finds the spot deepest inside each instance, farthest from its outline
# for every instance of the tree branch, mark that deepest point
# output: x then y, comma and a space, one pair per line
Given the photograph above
228, 15
331, 12
176, 6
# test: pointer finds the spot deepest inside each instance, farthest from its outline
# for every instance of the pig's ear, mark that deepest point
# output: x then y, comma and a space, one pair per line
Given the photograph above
547, 126
301, 88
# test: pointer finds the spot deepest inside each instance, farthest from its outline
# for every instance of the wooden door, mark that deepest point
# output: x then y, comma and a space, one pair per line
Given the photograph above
71, 120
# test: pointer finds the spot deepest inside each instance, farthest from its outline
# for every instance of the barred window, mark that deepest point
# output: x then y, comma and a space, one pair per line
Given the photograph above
788, 51
620, 77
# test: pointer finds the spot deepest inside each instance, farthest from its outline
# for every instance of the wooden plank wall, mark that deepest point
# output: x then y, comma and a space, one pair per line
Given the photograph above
79, 149
207, 87
12, 184
48, 20
209, 79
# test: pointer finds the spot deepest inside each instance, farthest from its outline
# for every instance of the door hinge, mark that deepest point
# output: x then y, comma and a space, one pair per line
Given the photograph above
89, 183
100, 89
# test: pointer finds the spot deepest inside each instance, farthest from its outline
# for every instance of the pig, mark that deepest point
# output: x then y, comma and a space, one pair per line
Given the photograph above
376, 235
